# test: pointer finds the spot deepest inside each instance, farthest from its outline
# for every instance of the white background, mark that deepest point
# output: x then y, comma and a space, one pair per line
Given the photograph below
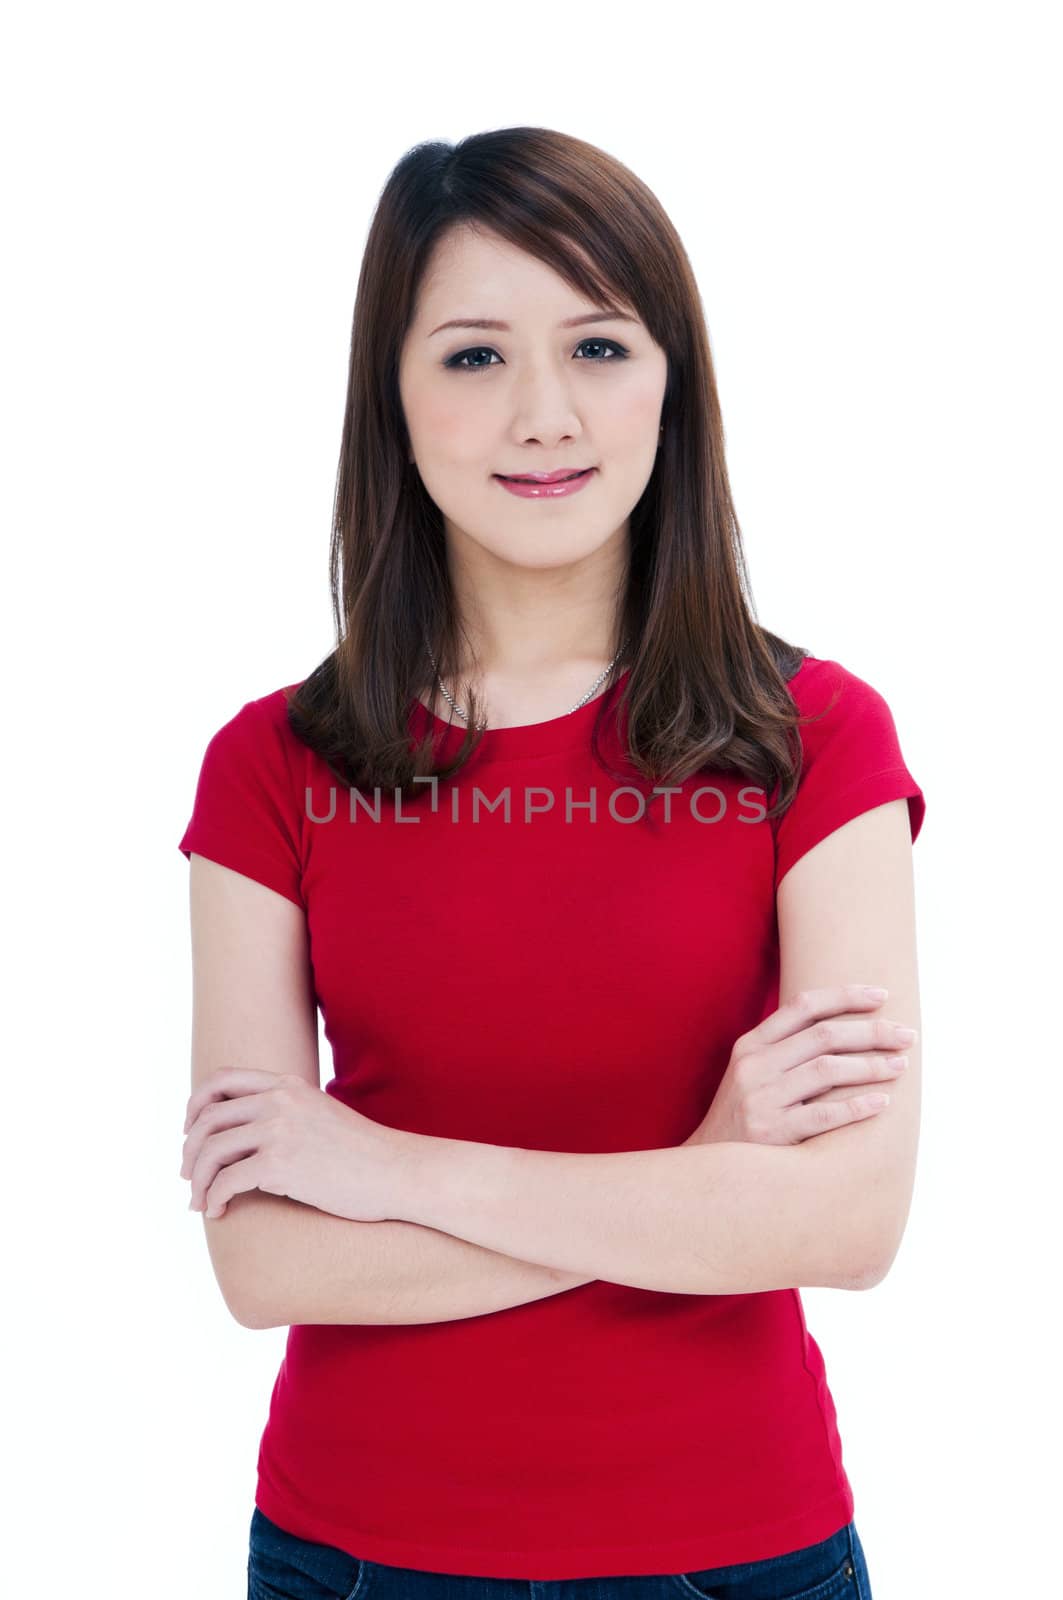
869, 195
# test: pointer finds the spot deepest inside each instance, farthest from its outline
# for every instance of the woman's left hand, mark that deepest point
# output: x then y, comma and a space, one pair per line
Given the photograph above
251, 1129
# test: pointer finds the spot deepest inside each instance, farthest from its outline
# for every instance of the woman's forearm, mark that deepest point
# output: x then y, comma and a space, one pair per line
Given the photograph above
279, 1263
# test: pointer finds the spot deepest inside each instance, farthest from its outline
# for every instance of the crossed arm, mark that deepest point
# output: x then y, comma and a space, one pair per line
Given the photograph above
719, 1218
498, 1227
301, 1265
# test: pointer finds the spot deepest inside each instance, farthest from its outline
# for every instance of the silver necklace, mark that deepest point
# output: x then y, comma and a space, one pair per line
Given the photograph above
482, 725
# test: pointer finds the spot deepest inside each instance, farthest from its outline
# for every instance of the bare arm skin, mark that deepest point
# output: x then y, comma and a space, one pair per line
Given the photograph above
276, 1261
301, 1265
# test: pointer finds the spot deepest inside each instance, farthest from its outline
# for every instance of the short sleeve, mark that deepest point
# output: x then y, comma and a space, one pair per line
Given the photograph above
244, 814
852, 761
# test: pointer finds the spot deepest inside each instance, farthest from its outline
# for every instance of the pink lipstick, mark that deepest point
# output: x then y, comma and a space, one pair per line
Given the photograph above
546, 487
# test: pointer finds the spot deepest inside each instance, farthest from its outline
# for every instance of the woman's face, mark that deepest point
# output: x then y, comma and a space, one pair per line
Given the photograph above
531, 397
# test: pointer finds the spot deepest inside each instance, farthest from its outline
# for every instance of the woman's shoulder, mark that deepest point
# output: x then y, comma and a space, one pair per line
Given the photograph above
258, 735
819, 679
268, 713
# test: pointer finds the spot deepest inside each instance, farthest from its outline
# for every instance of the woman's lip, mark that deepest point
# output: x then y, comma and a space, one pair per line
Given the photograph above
531, 489
544, 477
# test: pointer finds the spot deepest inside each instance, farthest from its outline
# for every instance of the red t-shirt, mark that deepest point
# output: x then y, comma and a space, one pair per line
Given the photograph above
553, 983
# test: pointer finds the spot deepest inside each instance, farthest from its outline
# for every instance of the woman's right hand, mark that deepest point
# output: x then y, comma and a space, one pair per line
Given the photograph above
794, 1075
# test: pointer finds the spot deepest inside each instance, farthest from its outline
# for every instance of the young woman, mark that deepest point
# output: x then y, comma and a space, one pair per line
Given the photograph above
586, 872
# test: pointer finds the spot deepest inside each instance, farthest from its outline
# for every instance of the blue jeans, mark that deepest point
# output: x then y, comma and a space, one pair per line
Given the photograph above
283, 1567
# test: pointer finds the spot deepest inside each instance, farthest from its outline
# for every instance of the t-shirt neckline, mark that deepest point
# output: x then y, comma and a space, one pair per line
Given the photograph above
569, 731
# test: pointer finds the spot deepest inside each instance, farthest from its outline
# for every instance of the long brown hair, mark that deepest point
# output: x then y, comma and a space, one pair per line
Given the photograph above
707, 684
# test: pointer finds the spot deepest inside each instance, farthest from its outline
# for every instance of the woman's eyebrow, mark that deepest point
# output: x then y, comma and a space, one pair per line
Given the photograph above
504, 327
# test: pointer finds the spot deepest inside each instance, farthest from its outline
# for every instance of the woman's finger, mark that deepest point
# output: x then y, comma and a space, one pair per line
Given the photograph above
820, 1116
806, 1007
827, 1072
233, 1146
829, 1036
238, 1178
215, 1118
224, 1084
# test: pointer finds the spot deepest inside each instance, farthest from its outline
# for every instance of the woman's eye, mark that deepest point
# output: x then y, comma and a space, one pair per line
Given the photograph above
456, 363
